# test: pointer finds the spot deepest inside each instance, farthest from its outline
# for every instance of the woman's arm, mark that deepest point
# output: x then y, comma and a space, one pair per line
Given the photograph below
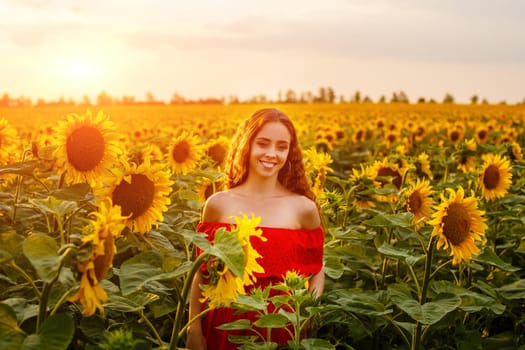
195, 339
316, 284
311, 219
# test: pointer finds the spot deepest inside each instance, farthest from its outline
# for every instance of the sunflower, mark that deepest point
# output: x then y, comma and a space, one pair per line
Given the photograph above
384, 170
423, 166
362, 182
107, 224
482, 134
225, 285
142, 191
466, 156
317, 163
419, 132
148, 150
515, 152
184, 153
455, 134
247, 228
419, 201
87, 147
225, 291
217, 150
495, 177
458, 223
8, 142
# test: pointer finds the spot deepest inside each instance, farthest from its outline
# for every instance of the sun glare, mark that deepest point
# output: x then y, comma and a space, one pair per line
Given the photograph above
78, 69
78, 75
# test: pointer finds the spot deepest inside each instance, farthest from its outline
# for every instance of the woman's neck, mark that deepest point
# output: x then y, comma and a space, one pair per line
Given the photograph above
266, 188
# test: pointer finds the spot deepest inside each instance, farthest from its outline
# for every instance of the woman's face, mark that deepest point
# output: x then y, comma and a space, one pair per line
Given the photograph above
269, 149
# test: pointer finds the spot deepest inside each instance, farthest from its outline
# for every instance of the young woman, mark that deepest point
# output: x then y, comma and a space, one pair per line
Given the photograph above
266, 177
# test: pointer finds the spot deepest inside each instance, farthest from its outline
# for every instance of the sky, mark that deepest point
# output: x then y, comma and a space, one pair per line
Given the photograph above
212, 48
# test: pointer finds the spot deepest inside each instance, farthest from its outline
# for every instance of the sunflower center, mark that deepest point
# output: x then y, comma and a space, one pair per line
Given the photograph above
217, 153
415, 202
456, 225
396, 176
181, 151
85, 148
134, 198
491, 177
454, 136
482, 134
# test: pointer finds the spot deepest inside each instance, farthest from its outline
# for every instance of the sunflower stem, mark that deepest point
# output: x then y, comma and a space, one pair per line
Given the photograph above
182, 301
190, 322
416, 338
153, 329
26, 276
385, 264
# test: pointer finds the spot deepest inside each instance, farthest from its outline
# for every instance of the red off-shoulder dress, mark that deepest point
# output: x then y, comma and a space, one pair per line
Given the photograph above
284, 250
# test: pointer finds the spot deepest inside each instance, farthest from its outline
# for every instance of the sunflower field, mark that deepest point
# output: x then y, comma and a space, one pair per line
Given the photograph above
424, 226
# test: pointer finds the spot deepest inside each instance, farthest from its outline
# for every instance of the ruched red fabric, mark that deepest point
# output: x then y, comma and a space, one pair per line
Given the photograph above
284, 250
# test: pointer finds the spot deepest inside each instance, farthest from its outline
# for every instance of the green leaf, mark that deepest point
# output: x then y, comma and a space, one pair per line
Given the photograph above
22, 168
56, 333
271, 321
135, 271
398, 253
429, 313
317, 344
77, 192
250, 303
333, 268
390, 220
130, 303
11, 336
242, 324
228, 249
189, 195
93, 328
41, 250
513, 291
11, 245
470, 300
51, 205
488, 256
22, 307
360, 302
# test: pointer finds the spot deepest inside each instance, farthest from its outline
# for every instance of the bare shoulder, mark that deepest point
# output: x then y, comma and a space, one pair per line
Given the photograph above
213, 208
308, 212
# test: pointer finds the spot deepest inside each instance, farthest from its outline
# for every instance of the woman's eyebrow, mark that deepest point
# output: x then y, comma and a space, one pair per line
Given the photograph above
262, 138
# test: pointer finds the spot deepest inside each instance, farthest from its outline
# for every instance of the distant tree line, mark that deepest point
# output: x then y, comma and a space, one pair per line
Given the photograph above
323, 95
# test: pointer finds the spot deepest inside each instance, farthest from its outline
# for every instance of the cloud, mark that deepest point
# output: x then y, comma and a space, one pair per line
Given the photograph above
418, 35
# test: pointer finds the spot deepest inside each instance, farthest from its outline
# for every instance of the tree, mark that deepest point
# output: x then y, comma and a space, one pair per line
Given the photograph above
322, 95
448, 98
290, 96
5, 101
330, 95
394, 98
177, 99
474, 99
104, 99
357, 97
86, 101
402, 97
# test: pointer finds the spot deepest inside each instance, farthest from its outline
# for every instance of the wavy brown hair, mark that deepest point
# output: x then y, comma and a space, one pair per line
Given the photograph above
292, 175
